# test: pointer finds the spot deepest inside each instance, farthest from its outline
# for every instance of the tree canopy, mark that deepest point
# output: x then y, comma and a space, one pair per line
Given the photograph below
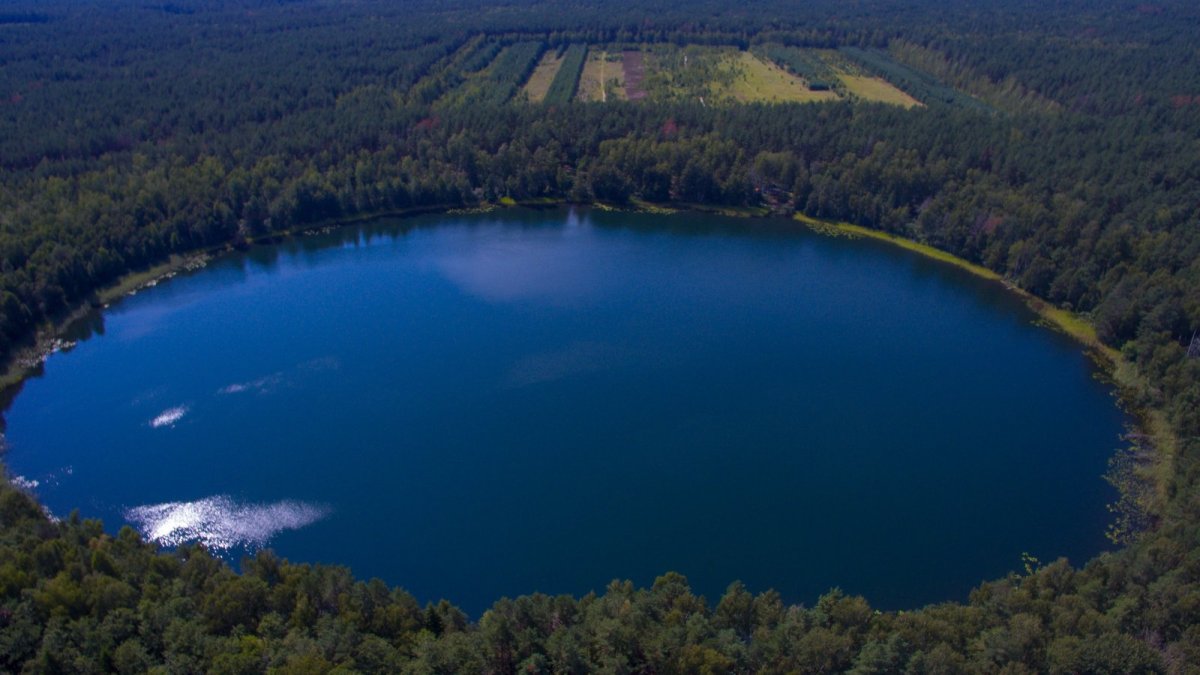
1058, 145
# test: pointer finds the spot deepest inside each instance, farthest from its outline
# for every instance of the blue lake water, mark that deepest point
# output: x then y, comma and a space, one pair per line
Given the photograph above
487, 405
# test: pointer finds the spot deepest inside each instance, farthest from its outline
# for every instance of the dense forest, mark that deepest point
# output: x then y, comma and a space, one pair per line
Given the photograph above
1058, 144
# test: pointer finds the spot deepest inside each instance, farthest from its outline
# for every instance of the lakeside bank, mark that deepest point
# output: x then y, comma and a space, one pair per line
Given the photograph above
1153, 428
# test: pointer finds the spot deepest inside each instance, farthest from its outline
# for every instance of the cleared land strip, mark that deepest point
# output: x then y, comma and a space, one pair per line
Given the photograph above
603, 77
545, 73
829, 73
877, 90
802, 63
484, 71
754, 79
922, 85
633, 66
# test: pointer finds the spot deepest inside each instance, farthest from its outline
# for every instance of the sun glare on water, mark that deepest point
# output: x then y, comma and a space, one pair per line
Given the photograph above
220, 523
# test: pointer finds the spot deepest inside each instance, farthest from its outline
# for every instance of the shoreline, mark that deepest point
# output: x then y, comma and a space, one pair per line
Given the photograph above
1149, 423
1064, 321
52, 337
26, 361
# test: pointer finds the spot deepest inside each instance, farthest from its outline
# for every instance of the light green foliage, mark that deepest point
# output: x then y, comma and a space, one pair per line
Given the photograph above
689, 73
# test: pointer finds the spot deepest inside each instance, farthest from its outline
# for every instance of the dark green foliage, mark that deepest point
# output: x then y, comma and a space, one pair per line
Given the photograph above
130, 131
482, 56
566, 80
185, 611
500, 80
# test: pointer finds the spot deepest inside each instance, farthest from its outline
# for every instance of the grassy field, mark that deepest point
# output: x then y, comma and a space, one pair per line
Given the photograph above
864, 86
757, 80
711, 75
877, 90
917, 83
539, 82
603, 77
723, 75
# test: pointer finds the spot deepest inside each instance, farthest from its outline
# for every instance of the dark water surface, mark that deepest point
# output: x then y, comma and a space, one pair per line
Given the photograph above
488, 405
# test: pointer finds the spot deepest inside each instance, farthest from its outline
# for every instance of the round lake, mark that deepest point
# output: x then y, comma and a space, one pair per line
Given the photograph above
486, 405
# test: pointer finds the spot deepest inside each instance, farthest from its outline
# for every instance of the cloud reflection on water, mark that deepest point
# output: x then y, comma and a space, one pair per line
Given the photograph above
506, 264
